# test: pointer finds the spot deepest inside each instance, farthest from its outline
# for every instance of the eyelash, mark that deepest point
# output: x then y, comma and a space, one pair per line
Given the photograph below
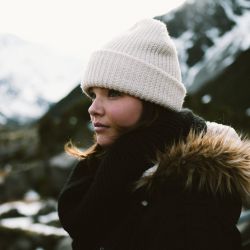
117, 93
90, 95
110, 92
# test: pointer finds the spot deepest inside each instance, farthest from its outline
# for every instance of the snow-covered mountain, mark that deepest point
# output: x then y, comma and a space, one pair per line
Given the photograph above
209, 35
31, 78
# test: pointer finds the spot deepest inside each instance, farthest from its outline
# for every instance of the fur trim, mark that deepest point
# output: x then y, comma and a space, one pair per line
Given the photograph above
216, 161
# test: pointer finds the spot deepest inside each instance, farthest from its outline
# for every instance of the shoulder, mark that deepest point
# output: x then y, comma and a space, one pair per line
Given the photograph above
216, 161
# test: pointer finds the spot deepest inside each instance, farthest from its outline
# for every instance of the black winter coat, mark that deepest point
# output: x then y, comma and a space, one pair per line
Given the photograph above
189, 200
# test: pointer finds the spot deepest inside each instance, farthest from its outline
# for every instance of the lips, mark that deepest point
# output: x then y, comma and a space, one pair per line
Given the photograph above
99, 127
98, 124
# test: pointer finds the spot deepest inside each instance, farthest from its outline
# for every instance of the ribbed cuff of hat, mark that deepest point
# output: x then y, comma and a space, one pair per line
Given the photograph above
125, 73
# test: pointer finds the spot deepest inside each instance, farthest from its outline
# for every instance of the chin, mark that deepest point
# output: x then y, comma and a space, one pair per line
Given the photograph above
105, 142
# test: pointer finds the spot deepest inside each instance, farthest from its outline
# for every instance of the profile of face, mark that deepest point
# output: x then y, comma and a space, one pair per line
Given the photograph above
112, 113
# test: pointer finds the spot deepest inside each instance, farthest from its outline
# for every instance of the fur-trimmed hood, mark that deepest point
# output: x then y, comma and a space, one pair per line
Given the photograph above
216, 161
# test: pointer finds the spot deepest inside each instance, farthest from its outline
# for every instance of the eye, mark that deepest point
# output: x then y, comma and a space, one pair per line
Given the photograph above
91, 94
114, 93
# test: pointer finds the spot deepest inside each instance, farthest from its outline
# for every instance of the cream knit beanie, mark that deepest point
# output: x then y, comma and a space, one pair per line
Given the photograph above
141, 62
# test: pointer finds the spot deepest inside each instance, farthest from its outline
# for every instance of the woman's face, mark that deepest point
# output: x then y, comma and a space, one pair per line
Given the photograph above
112, 113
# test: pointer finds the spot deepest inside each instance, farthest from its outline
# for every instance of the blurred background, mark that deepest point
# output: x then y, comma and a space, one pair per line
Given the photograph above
44, 47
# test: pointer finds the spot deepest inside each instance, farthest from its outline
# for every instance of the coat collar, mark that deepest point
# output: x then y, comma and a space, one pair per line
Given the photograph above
215, 161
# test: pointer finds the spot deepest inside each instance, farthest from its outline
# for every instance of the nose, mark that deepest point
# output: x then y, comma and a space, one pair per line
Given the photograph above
96, 108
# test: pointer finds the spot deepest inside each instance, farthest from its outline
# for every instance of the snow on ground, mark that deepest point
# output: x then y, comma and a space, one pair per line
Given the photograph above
62, 160
28, 208
25, 208
27, 224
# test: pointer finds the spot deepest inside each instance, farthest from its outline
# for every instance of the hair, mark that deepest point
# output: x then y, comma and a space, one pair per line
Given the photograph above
150, 113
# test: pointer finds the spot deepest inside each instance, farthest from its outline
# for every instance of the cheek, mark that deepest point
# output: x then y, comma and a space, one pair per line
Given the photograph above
126, 115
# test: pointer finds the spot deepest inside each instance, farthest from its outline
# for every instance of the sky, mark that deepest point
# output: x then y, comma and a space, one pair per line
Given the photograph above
76, 27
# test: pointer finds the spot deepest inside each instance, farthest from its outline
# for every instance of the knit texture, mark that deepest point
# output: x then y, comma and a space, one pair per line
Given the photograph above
142, 62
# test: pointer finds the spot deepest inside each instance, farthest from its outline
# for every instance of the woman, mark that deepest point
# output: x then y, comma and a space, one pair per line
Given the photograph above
158, 176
